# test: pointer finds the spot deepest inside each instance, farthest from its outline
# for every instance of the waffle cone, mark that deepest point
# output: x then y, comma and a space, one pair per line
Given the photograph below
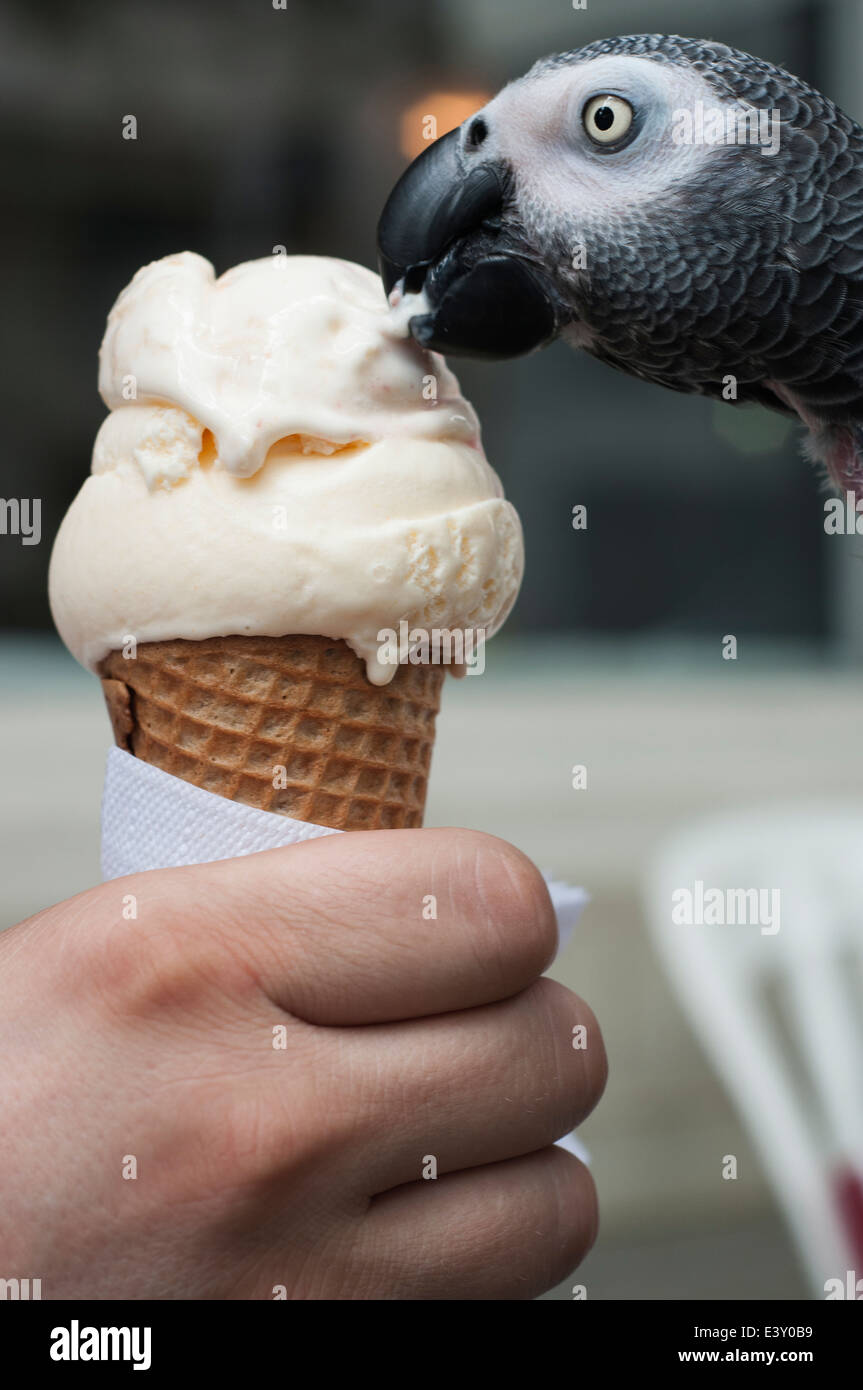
286, 724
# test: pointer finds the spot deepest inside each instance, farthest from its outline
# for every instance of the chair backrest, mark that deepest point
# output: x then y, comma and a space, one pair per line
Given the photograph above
758, 918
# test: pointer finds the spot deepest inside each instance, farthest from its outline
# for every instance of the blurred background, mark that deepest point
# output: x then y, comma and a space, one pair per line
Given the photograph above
260, 126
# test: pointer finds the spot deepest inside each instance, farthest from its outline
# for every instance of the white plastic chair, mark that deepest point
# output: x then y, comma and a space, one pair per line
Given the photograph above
779, 1014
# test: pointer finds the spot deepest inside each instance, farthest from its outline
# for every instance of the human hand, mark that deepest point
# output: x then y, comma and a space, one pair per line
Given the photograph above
236, 1091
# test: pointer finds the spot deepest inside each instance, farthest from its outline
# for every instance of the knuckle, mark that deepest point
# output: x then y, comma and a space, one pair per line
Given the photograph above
211, 1144
576, 1215
241, 1140
235, 1141
593, 1055
552, 1229
145, 972
572, 1053
516, 901
165, 957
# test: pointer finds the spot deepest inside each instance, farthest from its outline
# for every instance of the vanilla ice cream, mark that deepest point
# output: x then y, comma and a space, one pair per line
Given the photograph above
276, 461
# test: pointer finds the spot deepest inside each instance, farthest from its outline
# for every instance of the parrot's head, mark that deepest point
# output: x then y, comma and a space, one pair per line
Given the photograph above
686, 212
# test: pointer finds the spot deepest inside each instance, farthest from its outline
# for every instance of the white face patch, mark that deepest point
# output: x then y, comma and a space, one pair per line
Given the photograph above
537, 125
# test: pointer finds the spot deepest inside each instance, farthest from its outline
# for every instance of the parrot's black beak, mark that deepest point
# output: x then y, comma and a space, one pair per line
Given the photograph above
441, 231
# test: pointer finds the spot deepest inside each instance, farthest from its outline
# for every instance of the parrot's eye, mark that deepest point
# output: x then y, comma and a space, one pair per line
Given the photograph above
607, 119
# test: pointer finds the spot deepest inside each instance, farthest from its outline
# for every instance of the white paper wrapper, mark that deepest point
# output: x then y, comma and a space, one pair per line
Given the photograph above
152, 820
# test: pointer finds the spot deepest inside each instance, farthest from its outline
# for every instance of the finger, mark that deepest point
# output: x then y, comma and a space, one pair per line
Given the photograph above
468, 1088
510, 1230
378, 925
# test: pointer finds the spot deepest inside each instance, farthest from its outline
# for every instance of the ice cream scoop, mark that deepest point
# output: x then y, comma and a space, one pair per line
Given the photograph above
277, 461
282, 346
283, 484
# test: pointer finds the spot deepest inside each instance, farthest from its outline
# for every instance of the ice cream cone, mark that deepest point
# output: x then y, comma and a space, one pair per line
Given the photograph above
287, 724
281, 468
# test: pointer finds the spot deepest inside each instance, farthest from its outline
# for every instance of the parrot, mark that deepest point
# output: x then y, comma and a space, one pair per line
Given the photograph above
684, 211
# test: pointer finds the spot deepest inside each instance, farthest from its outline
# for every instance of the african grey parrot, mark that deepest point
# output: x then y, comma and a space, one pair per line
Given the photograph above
572, 205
